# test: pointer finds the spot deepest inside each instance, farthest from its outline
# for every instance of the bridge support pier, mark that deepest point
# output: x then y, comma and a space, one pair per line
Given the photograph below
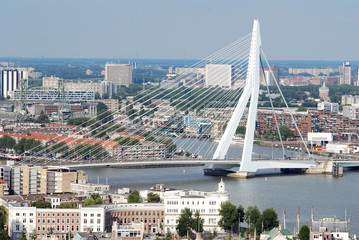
242, 174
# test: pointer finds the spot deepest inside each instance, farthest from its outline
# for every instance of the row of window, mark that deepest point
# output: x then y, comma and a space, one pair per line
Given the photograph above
92, 215
92, 220
58, 228
137, 213
58, 220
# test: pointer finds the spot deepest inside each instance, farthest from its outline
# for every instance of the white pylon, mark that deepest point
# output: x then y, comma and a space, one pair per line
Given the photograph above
251, 90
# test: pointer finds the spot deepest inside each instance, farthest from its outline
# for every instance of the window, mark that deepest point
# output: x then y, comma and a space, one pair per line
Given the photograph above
98, 220
85, 220
24, 220
91, 220
31, 214
31, 220
24, 214
98, 229
85, 214
92, 215
17, 214
99, 215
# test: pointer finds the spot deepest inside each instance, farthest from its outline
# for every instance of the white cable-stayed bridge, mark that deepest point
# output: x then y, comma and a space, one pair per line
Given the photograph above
246, 60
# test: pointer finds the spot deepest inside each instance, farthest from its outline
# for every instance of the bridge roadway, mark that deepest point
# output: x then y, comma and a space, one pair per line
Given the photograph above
279, 163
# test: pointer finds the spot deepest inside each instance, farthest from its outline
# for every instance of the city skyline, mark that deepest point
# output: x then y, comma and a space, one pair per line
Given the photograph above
306, 30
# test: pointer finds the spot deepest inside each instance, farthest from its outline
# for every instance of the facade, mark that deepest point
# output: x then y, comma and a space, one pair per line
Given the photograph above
10, 80
312, 71
56, 223
328, 106
350, 112
89, 188
329, 229
324, 92
319, 138
53, 95
349, 99
26, 180
219, 75
197, 126
347, 73
145, 151
150, 214
268, 76
206, 203
266, 122
119, 74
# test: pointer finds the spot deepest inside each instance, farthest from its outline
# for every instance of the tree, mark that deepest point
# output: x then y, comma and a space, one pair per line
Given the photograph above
4, 235
22, 238
253, 217
304, 232
153, 198
101, 106
41, 204
7, 142
302, 109
94, 199
241, 213
229, 216
43, 118
134, 197
3, 217
185, 223
241, 130
286, 132
197, 222
269, 219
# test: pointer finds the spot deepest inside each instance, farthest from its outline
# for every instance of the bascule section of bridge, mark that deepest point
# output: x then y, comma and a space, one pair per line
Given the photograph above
173, 125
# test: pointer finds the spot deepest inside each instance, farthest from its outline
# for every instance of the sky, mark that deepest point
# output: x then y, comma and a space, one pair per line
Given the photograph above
178, 29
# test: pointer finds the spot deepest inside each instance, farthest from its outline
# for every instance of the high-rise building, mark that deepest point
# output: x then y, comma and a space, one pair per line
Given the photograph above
119, 74
219, 75
10, 80
269, 77
347, 73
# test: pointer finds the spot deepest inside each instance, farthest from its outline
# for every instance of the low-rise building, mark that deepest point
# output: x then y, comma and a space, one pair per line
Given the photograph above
206, 203
150, 214
89, 188
329, 229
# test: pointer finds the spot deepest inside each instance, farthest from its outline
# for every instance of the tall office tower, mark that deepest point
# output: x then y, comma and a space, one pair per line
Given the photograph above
269, 77
219, 75
10, 80
119, 74
347, 73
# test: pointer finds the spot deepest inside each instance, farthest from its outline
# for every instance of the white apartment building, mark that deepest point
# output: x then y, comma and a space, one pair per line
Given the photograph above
119, 74
219, 75
350, 112
93, 218
206, 203
25, 220
22, 219
327, 106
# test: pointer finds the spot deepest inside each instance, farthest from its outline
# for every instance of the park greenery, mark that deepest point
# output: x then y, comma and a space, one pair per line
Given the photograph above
94, 199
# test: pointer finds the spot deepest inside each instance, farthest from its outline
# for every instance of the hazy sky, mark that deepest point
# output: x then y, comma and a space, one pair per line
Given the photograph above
291, 29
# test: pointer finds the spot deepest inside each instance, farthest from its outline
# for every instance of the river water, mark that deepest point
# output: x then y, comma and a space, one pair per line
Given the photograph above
330, 196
